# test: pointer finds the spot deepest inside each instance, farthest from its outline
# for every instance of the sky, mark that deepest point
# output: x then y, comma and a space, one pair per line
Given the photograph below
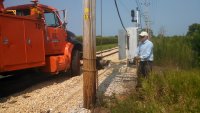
174, 16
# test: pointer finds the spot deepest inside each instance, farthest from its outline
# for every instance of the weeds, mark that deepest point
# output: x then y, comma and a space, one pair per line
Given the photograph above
169, 92
107, 46
174, 52
174, 89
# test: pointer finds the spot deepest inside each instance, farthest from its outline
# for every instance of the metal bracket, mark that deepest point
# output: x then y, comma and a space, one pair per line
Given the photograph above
5, 41
28, 41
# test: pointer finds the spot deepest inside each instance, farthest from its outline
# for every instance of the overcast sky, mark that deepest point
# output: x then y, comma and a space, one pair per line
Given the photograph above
173, 15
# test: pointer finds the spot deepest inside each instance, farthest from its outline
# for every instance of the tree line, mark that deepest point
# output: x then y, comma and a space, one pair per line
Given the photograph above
102, 40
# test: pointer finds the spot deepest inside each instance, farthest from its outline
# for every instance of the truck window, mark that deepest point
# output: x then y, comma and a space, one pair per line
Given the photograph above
51, 19
18, 12
23, 12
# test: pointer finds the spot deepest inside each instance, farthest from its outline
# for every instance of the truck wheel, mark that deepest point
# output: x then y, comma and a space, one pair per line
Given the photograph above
75, 63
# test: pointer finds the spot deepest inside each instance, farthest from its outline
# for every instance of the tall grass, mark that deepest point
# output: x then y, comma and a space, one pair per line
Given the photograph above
103, 43
174, 52
107, 46
166, 92
195, 41
102, 40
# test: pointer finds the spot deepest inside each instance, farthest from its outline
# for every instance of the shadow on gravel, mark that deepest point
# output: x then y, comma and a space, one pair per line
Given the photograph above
105, 84
118, 75
26, 79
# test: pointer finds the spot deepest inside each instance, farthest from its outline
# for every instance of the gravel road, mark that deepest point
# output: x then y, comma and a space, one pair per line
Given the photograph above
64, 94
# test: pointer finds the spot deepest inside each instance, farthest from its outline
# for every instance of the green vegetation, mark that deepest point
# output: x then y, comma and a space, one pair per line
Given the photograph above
194, 34
107, 46
106, 40
174, 84
174, 52
102, 40
195, 42
166, 92
103, 43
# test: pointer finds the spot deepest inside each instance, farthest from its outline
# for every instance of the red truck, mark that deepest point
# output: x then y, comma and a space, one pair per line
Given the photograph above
34, 36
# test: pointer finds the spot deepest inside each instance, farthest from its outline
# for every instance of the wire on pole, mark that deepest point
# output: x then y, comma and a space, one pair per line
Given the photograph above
120, 16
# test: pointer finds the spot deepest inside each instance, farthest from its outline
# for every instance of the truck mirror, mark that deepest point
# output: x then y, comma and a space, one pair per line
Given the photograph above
63, 17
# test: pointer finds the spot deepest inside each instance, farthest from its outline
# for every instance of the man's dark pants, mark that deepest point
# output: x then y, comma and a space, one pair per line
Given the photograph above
144, 68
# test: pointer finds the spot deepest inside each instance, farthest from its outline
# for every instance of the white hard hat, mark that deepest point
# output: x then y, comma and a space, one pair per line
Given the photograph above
143, 33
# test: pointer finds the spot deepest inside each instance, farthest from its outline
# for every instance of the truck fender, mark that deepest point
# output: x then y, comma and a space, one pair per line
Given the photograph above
68, 54
71, 37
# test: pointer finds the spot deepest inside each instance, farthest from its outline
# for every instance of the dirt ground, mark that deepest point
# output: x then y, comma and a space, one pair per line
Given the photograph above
64, 94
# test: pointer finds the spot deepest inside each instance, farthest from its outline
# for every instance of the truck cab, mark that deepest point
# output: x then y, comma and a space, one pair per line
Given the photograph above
54, 32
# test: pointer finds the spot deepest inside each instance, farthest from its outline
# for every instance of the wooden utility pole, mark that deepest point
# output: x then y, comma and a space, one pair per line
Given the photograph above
89, 54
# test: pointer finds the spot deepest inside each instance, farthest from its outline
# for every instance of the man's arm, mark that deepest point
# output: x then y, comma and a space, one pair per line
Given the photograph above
147, 52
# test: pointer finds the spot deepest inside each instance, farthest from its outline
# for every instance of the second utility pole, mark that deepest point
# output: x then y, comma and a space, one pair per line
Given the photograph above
89, 54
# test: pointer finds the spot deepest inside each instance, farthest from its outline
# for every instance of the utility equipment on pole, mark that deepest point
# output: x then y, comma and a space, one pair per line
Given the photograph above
137, 18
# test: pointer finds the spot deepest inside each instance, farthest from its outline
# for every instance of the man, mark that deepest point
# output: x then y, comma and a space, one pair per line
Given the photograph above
144, 55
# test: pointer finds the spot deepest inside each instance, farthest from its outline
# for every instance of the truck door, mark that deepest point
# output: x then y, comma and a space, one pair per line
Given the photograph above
12, 41
55, 34
34, 39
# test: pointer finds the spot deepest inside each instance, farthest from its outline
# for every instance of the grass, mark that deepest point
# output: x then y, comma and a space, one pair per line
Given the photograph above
166, 92
174, 88
107, 46
174, 52
103, 43
102, 40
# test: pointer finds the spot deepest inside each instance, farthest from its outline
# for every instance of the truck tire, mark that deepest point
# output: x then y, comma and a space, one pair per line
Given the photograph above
75, 63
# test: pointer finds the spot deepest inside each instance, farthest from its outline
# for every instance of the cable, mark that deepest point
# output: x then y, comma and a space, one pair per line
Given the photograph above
120, 16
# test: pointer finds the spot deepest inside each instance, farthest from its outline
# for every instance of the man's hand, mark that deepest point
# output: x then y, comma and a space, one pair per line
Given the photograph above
137, 58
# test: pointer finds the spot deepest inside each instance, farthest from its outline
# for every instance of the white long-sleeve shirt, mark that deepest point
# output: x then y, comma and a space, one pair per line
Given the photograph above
145, 50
